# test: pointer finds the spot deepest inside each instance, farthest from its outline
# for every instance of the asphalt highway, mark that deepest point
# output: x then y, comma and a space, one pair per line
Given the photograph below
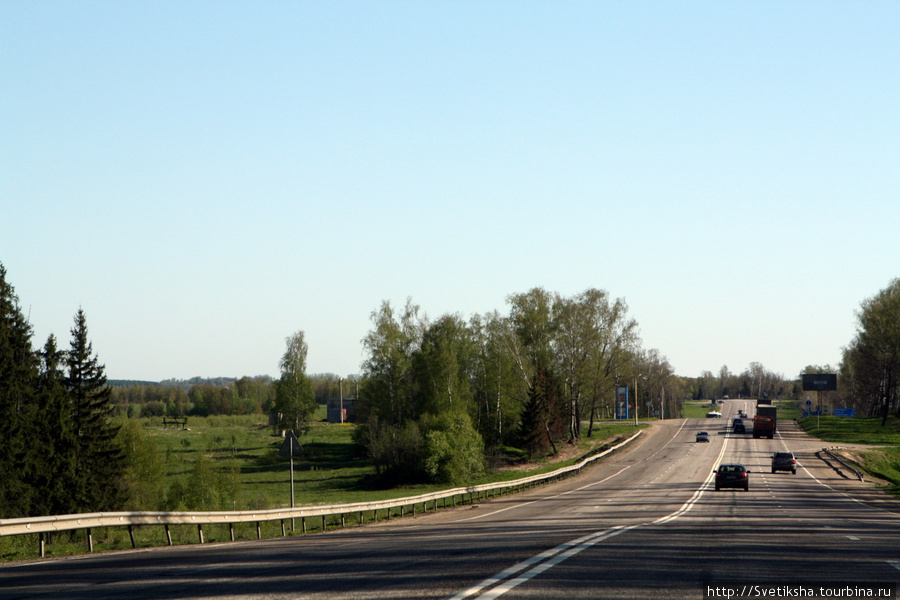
644, 523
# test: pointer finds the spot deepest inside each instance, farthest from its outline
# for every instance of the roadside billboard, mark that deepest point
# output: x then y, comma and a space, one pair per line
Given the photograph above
823, 382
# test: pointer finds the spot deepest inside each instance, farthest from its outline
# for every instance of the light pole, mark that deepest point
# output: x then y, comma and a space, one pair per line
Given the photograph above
636, 397
662, 402
341, 386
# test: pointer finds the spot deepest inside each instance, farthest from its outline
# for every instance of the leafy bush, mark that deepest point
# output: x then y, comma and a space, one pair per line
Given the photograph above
208, 487
144, 469
454, 451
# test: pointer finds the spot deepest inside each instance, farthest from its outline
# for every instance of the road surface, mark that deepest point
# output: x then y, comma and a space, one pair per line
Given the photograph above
645, 523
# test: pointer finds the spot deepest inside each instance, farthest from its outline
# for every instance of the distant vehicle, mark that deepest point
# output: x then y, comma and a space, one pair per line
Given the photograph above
784, 461
739, 426
732, 475
713, 415
702, 436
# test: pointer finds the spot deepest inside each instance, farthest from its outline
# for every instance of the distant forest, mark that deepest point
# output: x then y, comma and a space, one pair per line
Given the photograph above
435, 398
206, 396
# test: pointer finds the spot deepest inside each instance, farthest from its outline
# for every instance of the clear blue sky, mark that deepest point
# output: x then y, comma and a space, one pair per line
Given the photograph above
206, 178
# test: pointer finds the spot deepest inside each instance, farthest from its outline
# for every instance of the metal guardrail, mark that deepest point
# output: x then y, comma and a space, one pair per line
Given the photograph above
89, 521
840, 460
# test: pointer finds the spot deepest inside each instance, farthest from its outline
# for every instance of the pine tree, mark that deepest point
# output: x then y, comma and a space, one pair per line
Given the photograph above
52, 428
542, 419
18, 375
99, 462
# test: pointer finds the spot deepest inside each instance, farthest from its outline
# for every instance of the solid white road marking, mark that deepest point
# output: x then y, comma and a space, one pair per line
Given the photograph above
550, 558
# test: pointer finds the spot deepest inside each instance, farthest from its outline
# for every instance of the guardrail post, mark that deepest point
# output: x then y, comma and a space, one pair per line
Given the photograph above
258, 531
74, 522
283, 532
303, 523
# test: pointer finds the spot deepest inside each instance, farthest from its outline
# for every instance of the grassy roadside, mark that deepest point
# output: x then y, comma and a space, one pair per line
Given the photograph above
882, 462
697, 409
328, 472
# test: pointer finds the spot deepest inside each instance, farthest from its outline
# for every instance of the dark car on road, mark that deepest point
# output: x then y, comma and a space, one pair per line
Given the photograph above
738, 425
732, 475
784, 461
702, 436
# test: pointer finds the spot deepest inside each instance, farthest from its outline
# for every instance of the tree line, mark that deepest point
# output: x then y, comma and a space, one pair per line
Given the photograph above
869, 373
57, 442
754, 382
438, 397
62, 449
205, 397
437, 400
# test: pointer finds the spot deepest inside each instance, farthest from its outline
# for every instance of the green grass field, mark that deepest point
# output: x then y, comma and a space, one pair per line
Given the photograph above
697, 409
328, 472
884, 462
853, 430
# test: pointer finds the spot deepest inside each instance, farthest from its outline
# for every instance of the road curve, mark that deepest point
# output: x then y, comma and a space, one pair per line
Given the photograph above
643, 523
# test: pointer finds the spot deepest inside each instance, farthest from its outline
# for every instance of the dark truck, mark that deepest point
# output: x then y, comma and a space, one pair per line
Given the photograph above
765, 422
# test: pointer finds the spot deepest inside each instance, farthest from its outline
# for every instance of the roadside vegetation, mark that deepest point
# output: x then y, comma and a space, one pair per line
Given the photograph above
330, 470
697, 409
882, 462
438, 403
233, 463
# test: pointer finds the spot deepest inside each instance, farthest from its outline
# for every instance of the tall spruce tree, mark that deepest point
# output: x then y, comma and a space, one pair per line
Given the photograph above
18, 375
543, 416
99, 460
55, 474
